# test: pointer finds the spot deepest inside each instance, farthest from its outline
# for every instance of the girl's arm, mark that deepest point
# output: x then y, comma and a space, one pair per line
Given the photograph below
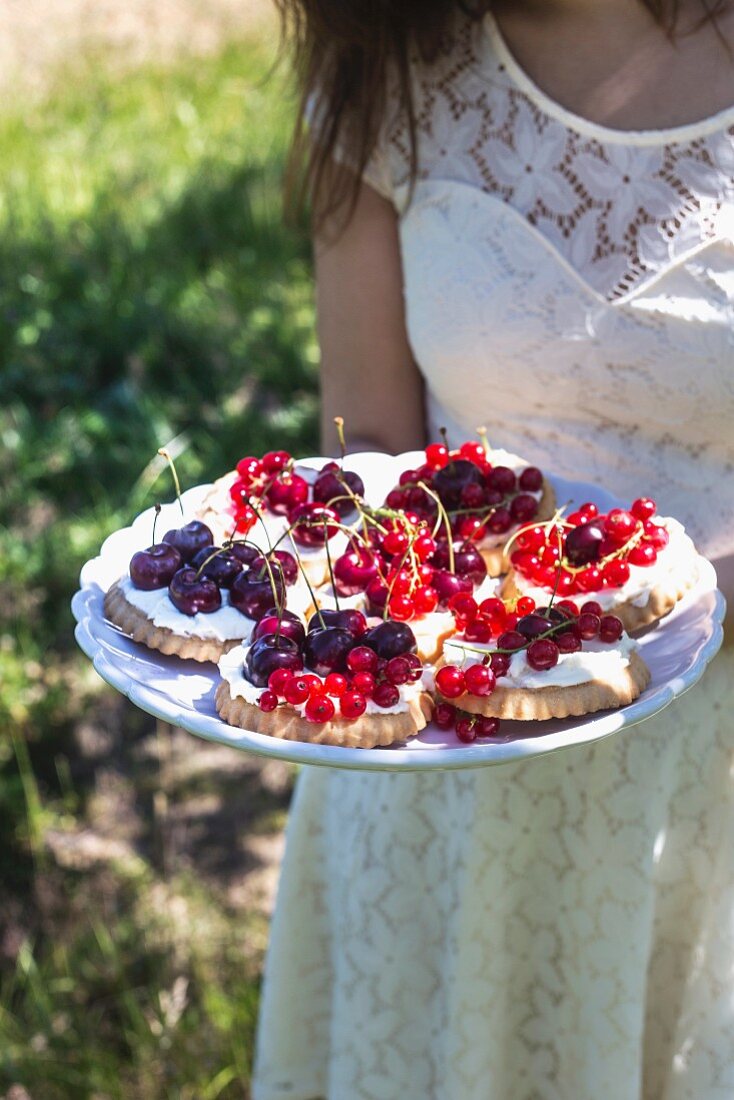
368, 375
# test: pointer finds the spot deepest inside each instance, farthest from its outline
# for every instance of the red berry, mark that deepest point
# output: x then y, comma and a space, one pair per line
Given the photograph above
531, 538
589, 579
568, 605
314, 683
363, 682
472, 495
525, 605
474, 452
591, 607
499, 521
511, 640
645, 554
500, 663
569, 641
479, 680
361, 659
450, 681
643, 508
395, 542
397, 671
425, 600
616, 573
656, 535
416, 667
319, 708
352, 704
395, 499
566, 584
503, 479
588, 511
525, 562
274, 461
471, 528
424, 546
437, 455
610, 629
493, 607
399, 582
523, 508
619, 525
444, 715
466, 729
531, 479
249, 469
464, 606
588, 625
335, 684
401, 608
268, 701
386, 695
296, 690
542, 654
486, 726
479, 629
278, 678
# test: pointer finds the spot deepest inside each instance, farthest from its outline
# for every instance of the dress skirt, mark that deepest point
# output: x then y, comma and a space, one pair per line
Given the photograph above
555, 929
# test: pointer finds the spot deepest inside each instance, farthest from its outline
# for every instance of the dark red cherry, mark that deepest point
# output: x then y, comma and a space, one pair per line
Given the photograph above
390, 639
530, 626
154, 567
191, 594
502, 479
221, 567
583, 543
531, 480
353, 571
468, 562
268, 653
254, 596
288, 565
347, 618
334, 486
448, 584
377, 593
190, 538
450, 482
313, 523
326, 650
286, 491
289, 624
244, 552
523, 508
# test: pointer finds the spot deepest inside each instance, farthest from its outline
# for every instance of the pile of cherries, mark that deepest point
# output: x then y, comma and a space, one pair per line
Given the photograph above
314, 511
589, 551
479, 498
334, 666
195, 571
545, 634
402, 569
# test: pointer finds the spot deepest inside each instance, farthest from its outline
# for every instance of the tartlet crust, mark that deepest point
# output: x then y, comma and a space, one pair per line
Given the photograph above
662, 599
135, 623
539, 704
495, 558
367, 732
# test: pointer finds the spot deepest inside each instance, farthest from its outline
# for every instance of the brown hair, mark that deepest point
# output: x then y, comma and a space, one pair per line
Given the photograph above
343, 51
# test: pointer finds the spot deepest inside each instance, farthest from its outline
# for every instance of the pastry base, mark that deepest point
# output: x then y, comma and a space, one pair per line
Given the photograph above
662, 599
539, 704
495, 558
368, 732
136, 624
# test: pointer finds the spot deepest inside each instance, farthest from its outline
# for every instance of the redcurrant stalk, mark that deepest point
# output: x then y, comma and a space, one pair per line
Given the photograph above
164, 453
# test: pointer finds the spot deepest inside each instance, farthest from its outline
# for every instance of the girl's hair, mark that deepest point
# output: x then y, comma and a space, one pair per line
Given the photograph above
343, 51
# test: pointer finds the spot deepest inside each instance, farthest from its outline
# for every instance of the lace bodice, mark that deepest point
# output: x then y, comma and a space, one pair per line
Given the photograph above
592, 267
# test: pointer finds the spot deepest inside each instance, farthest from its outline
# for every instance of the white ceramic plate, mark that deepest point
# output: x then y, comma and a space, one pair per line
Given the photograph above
182, 692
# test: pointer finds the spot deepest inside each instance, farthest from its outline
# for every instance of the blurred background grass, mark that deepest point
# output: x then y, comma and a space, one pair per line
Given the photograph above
149, 293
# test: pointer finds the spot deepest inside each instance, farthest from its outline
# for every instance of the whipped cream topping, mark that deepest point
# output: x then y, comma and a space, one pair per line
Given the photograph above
595, 662
232, 669
677, 559
226, 624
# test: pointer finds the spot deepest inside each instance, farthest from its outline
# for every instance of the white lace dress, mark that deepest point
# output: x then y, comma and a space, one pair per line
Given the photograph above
561, 929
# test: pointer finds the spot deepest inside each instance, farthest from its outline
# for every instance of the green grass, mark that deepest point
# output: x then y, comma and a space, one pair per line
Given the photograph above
149, 292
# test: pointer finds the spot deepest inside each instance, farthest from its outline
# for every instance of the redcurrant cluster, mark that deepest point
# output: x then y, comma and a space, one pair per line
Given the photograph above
467, 727
344, 695
479, 498
588, 550
271, 483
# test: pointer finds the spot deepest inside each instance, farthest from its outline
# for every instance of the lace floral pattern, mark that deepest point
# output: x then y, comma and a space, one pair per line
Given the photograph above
618, 210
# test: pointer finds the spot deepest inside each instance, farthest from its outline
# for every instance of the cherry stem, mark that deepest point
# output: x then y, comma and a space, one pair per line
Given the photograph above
443, 517
155, 520
167, 455
445, 437
339, 422
328, 558
311, 592
482, 433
